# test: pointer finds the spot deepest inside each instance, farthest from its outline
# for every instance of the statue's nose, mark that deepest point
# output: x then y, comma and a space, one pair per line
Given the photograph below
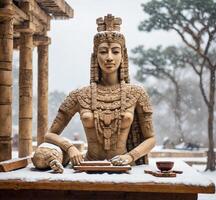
109, 56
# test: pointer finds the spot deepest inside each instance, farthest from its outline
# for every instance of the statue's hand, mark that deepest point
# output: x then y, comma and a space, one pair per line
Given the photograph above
75, 156
52, 159
56, 166
122, 160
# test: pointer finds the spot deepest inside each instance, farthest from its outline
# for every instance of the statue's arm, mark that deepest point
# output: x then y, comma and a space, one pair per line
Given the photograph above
66, 111
144, 111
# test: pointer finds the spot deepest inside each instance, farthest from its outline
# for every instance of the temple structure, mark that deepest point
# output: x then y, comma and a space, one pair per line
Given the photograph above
24, 25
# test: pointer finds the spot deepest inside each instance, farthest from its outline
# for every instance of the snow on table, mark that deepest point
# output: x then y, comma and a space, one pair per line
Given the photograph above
136, 175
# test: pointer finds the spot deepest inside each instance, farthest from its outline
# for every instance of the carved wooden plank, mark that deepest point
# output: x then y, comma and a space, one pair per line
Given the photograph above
13, 164
95, 163
102, 168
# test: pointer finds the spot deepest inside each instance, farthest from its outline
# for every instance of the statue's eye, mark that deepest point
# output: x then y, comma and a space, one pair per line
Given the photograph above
116, 52
102, 52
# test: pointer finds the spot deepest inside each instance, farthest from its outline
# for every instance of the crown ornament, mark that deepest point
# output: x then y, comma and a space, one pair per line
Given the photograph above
109, 23
109, 30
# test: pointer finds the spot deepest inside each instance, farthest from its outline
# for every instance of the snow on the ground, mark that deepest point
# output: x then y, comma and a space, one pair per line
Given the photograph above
160, 148
185, 159
210, 175
15, 154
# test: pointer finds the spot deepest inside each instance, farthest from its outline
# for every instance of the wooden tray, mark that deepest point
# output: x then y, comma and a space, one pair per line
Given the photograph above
161, 174
95, 163
102, 168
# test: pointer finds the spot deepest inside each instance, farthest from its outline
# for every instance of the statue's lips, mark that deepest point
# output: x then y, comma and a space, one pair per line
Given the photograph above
109, 65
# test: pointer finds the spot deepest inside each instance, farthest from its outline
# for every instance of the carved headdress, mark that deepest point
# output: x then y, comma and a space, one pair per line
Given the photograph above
109, 31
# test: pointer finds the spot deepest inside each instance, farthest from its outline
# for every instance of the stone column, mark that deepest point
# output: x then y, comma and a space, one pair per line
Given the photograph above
25, 94
6, 54
42, 92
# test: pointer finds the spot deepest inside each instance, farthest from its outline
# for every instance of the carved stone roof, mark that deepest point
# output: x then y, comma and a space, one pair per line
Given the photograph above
34, 16
57, 9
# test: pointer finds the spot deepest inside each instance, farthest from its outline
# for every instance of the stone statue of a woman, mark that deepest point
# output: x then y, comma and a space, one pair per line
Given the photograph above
116, 115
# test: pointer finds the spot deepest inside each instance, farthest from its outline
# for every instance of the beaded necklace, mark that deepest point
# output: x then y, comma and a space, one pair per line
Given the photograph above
108, 107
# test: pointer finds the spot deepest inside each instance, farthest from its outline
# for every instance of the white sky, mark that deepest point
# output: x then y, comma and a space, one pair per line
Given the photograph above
72, 40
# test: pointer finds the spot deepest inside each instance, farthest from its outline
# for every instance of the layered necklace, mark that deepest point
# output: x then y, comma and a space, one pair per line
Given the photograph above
107, 106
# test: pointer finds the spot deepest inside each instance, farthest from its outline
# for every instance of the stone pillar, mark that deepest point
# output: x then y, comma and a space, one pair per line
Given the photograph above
42, 114
25, 94
6, 54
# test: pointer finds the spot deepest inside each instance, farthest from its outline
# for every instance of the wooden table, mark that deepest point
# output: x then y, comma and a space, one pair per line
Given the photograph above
31, 184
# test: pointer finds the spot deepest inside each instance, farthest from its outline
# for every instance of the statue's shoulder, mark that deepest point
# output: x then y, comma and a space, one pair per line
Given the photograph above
83, 96
70, 102
140, 95
78, 95
143, 97
83, 91
136, 90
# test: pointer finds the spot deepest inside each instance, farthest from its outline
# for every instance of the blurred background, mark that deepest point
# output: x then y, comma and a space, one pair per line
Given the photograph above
180, 112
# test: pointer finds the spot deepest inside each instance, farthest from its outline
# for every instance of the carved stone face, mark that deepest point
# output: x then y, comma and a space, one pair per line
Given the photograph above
109, 57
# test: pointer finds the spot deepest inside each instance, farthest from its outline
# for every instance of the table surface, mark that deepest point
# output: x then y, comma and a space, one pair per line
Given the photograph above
190, 181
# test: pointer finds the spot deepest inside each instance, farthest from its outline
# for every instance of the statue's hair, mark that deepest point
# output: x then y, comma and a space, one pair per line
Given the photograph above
109, 31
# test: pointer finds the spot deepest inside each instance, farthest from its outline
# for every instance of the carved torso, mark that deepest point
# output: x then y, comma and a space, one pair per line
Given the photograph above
108, 125
102, 127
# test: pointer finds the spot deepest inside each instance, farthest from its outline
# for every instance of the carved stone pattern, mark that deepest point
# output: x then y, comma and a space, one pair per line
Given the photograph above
109, 23
144, 101
69, 103
84, 98
112, 37
25, 78
57, 121
107, 113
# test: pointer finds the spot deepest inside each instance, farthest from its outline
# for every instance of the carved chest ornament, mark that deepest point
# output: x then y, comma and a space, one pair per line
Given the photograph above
107, 114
